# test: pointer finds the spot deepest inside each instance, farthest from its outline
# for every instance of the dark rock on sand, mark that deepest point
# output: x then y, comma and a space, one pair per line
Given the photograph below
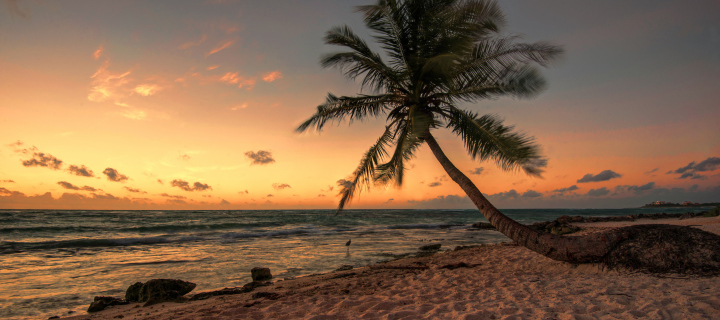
132, 294
431, 247
454, 266
162, 290
100, 303
260, 274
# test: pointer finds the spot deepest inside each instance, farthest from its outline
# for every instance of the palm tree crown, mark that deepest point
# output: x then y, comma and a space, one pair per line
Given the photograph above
440, 53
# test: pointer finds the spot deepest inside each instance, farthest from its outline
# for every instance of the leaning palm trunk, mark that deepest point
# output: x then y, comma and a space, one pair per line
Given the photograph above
579, 249
444, 52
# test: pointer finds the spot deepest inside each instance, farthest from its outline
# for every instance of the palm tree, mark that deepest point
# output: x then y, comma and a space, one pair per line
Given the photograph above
441, 53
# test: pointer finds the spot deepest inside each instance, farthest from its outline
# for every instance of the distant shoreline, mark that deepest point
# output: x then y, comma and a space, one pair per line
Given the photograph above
678, 205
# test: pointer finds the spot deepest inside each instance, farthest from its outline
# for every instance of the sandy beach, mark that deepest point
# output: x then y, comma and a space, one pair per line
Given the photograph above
501, 281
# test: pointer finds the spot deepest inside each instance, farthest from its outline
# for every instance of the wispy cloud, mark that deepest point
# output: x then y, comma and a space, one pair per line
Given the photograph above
135, 114
562, 191
146, 89
134, 190
272, 76
212, 67
98, 53
219, 47
598, 192
191, 44
235, 78
106, 84
240, 106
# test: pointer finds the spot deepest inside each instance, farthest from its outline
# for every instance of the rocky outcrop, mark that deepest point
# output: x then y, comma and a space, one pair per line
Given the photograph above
132, 294
100, 303
431, 247
260, 274
162, 290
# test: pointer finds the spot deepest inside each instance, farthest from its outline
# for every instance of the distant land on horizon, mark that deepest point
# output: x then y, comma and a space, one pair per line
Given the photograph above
663, 204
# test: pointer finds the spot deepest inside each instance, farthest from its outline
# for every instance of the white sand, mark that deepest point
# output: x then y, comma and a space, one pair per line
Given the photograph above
503, 282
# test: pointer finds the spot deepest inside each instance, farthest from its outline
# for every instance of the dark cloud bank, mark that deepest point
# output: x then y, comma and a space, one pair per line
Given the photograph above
184, 185
691, 170
114, 175
602, 176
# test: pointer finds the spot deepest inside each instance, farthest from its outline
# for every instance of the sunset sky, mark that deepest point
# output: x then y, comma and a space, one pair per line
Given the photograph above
193, 105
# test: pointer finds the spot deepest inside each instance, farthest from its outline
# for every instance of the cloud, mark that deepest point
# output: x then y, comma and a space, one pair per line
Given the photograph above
505, 195
260, 157
531, 194
68, 185
219, 47
160, 181
213, 67
278, 186
191, 44
652, 171
41, 159
184, 157
602, 176
15, 10
642, 188
184, 185
568, 189
114, 175
134, 114
272, 76
344, 183
243, 192
133, 190
146, 89
8, 181
171, 196
270, 195
239, 106
234, 78
477, 171
443, 202
81, 171
224, 202
435, 184
598, 192
691, 170
98, 53
106, 84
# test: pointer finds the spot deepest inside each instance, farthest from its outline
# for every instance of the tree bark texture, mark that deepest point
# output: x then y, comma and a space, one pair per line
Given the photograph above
577, 249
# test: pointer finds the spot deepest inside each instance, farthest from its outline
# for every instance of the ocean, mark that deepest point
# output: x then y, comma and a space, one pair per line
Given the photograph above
53, 262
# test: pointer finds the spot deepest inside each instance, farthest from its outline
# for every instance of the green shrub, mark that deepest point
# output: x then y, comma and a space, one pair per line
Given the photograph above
713, 213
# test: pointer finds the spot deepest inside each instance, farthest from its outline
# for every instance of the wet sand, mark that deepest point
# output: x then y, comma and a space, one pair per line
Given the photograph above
502, 281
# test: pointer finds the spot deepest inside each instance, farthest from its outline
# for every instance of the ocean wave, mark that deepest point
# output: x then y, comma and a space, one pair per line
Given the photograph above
426, 226
12, 247
278, 233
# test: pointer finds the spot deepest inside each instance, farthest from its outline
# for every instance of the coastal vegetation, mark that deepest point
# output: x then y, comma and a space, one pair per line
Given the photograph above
442, 53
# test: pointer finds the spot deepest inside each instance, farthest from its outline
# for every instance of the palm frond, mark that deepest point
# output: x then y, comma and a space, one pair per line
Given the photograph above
405, 148
353, 108
364, 174
486, 137
361, 60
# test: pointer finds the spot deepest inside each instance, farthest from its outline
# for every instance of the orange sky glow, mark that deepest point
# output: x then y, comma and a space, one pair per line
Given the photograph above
167, 105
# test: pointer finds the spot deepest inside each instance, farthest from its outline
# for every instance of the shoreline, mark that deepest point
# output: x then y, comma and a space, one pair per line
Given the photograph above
500, 281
